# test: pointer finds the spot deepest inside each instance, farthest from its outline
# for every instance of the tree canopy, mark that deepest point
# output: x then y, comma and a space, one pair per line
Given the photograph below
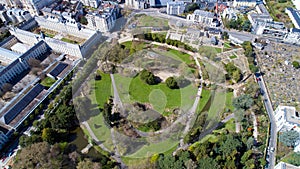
172, 83
289, 138
243, 102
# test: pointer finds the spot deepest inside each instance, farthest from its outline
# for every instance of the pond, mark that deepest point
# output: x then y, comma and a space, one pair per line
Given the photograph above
80, 140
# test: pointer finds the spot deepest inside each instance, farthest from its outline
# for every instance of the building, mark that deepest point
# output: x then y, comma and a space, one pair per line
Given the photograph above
286, 118
3, 139
283, 165
293, 36
159, 3
229, 14
297, 4
14, 15
137, 4
103, 19
16, 69
91, 3
294, 16
175, 8
202, 17
269, 28
250, 3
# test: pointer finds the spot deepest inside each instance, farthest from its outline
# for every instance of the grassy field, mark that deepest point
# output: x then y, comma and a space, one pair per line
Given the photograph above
205, 95
151, 149
48, 82
137, 46
217, 106
100, 92
277, 10
209, 51
228, 103
233, 57
149, 21
177, 55
171, 98
210, 137
103, 89
227, 45
69, 41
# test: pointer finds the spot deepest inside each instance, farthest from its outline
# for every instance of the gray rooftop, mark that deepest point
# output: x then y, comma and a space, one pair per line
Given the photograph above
204, 13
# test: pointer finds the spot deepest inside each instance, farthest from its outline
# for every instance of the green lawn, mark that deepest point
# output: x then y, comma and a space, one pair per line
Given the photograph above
211, 48
233, 57
69, 41
210, 137
48, 82
148, 150
205, 95
216, 108
103, 89
227, 45
177, 55
228, 103
230, 125
49, 35
149, 21
160, 95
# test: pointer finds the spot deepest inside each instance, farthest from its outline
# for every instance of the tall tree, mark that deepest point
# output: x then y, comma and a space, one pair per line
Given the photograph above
289, 138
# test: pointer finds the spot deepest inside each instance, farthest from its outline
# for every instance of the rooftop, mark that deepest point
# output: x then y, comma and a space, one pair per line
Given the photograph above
292, 116
204, 13
295, 14
283, 165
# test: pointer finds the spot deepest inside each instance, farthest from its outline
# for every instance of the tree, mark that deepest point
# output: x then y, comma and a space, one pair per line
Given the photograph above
83, 20
42, 155
225, 35
207, 163
171, 83
192, 7
88, 164
34, 62
289, 138
296, 64
148, 77
239, 114
236, 75
49, 135
230, 145
242, 102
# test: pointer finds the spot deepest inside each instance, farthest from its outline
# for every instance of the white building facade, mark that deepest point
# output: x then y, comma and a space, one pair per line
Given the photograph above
91, 3
175, 8
286, 118
202, 17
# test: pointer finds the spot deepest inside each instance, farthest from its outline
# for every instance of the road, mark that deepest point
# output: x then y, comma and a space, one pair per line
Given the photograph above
271, 156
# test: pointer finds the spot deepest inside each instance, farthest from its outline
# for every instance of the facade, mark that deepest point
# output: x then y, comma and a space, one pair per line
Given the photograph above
229, 14
20, 65
91, 3
286, 118
283, 165
202, 17
103, 21
272, 28
293, 36
175, 8
294, 16
136, 4
3, 139
14, 15
250, 3
159, 3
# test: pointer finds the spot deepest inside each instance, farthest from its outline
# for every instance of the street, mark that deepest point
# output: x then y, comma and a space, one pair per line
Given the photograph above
271, 155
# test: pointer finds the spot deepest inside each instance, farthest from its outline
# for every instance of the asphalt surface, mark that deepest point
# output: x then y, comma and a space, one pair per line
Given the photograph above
271, 155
